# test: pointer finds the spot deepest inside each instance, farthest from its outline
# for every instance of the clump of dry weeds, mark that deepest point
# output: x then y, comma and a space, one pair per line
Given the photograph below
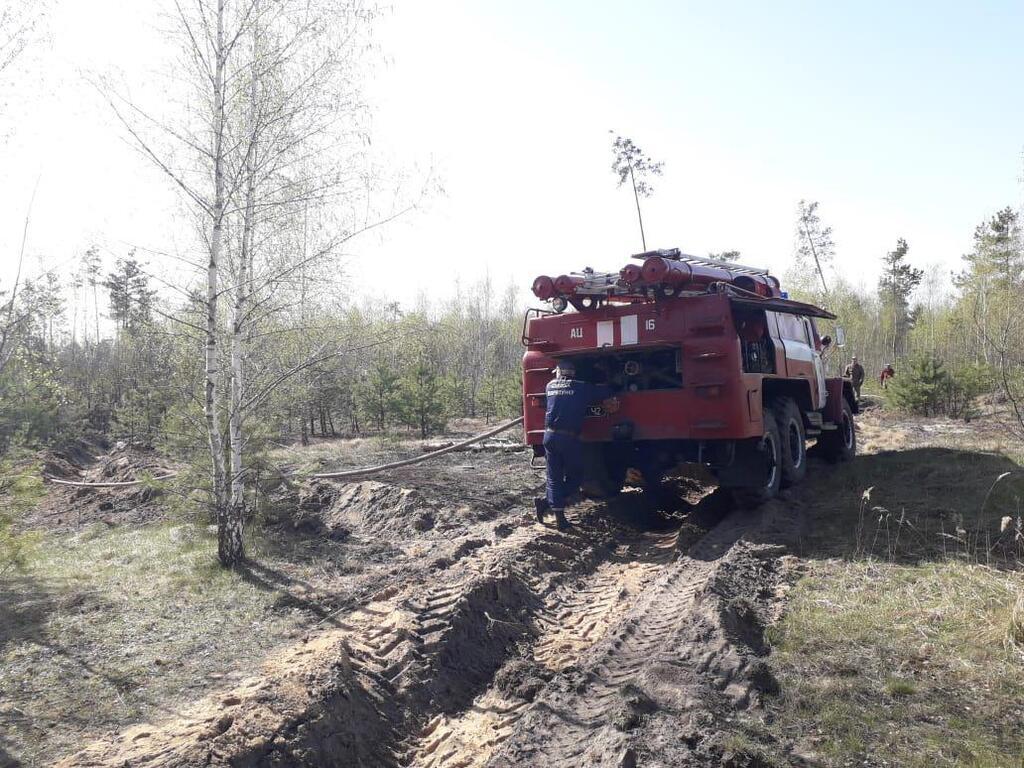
1015, 631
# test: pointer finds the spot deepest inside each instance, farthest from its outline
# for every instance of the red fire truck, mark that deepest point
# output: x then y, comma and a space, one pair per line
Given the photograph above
712, 363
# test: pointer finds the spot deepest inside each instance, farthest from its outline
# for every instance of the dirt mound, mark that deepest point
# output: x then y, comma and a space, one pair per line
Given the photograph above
368, 507
67, 506
354, 695
69, 461
603, 645
124, 464
382, 509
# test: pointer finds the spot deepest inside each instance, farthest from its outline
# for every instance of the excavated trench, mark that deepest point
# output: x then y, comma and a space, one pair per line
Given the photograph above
602, 645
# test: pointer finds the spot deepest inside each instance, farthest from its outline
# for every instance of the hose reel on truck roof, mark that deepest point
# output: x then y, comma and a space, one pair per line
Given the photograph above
664, 274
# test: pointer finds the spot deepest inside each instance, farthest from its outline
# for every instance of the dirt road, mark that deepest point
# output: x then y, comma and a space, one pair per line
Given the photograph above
511, 644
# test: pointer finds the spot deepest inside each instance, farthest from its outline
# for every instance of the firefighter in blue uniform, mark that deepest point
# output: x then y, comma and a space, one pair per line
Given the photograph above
568, 400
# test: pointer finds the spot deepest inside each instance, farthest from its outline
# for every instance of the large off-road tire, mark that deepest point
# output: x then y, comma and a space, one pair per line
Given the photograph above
763, 461
793, 440
840, 444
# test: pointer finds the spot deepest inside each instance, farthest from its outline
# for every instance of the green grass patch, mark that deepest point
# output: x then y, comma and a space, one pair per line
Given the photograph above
108, 627
910, 665
21, 488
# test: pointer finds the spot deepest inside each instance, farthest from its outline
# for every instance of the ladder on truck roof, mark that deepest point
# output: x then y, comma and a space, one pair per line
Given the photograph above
676, 255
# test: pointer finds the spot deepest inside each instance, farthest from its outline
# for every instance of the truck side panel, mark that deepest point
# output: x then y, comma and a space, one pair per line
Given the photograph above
714, 402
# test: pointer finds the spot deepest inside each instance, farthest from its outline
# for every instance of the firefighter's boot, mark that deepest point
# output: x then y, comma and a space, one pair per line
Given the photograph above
540, 504
560, 520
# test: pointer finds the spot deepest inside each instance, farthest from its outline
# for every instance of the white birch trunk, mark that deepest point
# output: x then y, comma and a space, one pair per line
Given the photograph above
236, 505
228, 540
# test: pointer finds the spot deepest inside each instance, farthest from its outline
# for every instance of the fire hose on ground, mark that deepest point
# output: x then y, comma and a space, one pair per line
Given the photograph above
322, 475
417, 459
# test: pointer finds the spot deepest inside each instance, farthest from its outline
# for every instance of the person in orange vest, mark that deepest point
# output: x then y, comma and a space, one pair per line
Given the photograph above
887, 373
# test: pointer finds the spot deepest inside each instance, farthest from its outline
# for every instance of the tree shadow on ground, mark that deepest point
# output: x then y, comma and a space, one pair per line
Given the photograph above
25, 606
285, 586
914, 505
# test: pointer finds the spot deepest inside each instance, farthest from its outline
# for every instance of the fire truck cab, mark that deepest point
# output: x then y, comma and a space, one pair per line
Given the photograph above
712, 365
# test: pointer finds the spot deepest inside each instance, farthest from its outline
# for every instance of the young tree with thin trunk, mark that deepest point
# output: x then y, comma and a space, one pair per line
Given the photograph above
813, 241
895, 287
630, 163
279, 141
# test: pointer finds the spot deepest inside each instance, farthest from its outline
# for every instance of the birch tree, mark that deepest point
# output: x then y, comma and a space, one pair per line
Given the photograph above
264, 88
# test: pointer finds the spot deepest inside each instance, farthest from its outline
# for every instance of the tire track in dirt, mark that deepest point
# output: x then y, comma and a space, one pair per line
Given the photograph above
588, 699
351, 694
527, 628
578, 615
571, 619
572, 720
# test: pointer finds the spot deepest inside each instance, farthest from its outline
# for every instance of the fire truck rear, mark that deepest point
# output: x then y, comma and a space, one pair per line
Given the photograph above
711, 362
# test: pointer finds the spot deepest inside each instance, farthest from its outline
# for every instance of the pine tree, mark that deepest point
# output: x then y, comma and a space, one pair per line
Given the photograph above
992, 279
91, 274
424, 399
997, 255
895, 287
379, 393
814, 246
632, 164
921, 388
130, 297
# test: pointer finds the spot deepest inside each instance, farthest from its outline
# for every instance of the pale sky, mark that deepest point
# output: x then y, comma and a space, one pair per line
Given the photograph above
903, 120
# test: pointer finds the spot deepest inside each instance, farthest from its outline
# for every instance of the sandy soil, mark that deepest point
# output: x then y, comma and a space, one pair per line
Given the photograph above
473, 636
499, 641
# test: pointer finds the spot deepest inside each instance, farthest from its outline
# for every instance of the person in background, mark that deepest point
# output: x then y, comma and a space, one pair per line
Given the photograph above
855, 372
568, 399
887, 373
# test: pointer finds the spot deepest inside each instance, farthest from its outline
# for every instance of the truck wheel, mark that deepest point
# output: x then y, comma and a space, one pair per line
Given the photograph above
764, 459
840, 444
793, 441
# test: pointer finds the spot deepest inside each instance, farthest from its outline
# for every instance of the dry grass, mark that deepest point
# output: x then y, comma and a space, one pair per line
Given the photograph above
1015, 630
902, 663
903, 643
943, 494
113, 626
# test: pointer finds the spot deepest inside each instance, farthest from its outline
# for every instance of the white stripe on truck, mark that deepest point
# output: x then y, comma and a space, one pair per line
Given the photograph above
628, 326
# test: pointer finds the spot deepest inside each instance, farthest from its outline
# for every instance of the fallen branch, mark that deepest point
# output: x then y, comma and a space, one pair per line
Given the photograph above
109, 485
415, 460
